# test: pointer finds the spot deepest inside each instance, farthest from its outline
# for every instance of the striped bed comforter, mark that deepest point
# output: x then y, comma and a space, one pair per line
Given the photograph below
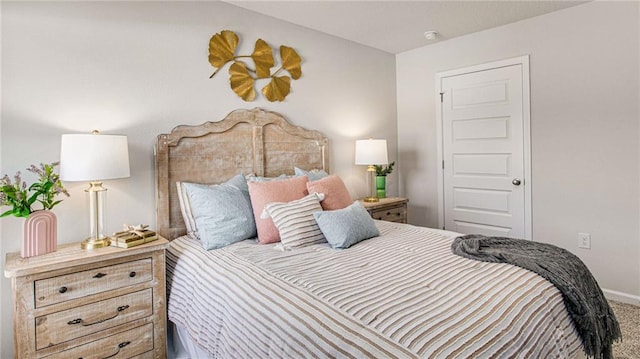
400, 295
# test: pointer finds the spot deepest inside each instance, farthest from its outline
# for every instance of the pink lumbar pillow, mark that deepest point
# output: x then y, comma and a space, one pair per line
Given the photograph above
336, 195
262, 193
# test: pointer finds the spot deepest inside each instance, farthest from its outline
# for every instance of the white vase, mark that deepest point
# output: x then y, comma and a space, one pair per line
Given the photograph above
40, 234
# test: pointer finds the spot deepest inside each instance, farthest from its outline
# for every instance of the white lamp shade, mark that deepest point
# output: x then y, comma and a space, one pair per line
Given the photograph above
371, 152
93, 157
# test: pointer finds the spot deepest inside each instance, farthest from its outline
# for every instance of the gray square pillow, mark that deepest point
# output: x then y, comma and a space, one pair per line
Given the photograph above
313, 175
237, 181
345, 227
222, 214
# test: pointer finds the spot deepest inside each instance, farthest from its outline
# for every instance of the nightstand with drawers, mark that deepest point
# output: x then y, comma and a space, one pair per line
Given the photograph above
75, 303
391, 209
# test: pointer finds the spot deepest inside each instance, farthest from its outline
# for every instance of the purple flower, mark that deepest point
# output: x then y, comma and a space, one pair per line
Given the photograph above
22, 197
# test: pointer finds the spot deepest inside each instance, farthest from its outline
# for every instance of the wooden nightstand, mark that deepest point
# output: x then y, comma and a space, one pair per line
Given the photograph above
75, 303
392, 209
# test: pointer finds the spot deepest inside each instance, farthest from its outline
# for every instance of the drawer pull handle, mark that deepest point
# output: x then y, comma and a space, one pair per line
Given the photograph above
388, 213
99, 275
120, 346
62, 290
132, 274
81, 321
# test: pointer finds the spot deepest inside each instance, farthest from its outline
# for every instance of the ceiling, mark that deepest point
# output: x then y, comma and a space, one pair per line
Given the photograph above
397, 26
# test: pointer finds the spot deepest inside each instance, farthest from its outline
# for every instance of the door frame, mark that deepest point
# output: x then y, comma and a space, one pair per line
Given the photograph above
526, 127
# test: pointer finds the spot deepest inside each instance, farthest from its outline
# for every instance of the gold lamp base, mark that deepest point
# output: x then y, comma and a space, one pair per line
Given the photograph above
93, 243
371, 171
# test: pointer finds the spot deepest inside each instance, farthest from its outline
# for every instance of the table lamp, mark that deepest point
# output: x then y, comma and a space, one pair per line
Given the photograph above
371, 152
94, 157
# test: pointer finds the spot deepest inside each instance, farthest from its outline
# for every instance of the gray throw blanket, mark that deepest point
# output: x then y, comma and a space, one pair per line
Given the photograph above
593, 318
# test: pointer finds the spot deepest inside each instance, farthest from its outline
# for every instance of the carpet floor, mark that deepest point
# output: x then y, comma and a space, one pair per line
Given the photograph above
629, 318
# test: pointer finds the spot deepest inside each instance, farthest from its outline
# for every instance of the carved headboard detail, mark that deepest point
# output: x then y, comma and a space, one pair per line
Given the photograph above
246, 141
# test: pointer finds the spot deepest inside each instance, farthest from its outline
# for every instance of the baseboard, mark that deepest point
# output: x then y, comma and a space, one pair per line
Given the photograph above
621, 297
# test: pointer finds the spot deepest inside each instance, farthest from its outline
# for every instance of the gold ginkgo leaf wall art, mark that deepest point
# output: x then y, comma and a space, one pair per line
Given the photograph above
222, 50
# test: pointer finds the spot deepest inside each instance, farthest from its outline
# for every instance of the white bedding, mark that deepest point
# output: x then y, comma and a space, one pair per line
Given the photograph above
403, 294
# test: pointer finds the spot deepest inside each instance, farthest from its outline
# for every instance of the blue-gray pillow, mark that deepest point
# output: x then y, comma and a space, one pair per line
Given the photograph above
313, 175
222, 213
238, 181
345, 227
254, 178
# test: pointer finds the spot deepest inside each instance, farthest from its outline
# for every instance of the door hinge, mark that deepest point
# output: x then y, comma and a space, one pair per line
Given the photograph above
441, 97
442, 164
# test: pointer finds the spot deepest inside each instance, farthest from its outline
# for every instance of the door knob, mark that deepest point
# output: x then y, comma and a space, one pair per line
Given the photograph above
516, 181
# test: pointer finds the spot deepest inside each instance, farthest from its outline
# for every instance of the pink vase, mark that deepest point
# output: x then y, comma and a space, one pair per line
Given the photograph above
40, 234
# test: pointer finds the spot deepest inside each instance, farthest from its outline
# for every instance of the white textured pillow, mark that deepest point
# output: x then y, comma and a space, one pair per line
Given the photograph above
222, 214
185, 208
295, 221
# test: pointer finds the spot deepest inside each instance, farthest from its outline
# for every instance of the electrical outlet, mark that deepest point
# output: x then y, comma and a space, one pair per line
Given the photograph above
584, 240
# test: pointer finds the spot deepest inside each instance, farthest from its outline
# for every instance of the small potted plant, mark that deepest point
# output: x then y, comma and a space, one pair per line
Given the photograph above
381, 178
40, 226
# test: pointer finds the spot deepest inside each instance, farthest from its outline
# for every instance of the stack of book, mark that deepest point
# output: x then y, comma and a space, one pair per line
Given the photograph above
131, 238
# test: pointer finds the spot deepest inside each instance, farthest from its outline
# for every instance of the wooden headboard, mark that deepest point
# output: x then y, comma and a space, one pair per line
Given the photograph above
246, 141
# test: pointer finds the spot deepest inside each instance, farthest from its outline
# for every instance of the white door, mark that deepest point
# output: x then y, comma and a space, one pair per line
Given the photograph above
485, 165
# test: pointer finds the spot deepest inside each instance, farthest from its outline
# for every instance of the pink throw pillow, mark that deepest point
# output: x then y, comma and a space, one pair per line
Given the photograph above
261, 193
336, 195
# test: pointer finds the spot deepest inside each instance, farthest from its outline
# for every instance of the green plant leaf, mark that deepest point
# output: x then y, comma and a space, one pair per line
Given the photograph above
25, 212
32, 199
277, 89
21, 198
263, 58
384, 170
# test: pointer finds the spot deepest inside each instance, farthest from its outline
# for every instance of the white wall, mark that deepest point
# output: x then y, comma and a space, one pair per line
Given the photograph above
584, 126
140, 68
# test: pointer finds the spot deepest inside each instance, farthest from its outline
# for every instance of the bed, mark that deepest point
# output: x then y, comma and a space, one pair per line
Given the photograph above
401, 294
